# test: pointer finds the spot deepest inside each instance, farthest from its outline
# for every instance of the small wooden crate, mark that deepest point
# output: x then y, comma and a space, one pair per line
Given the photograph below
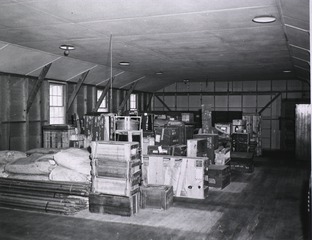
111, 204
219, 176
156, 196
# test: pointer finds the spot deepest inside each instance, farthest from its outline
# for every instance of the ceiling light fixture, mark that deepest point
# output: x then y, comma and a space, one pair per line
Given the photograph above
159, 73
264, 19
286, 71
67, 48
186, 81
124, 63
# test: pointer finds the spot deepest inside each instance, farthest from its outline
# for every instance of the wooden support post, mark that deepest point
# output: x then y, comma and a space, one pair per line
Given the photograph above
123, 104
270, 102
104, 93
166, 106
149, 103
37, 86
78, 86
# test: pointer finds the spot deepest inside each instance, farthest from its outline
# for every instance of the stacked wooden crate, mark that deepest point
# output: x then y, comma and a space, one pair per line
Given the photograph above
57, 136
219, 176
116, 176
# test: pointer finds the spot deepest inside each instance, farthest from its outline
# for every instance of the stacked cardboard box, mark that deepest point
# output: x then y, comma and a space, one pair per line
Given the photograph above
116, 174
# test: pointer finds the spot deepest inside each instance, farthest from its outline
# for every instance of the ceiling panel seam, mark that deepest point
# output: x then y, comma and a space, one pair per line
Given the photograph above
136, 80
43, 66
88, 69
109, 78
177, 14
3, 47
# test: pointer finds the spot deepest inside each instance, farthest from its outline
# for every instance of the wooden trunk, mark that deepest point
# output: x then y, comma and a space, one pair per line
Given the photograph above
159, 150
157, 196
219, 176
118, 205
166, 136
242, 162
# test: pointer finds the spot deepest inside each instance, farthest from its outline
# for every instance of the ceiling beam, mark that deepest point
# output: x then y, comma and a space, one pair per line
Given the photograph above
129, 92
104, 93
78, 86
163, 103
270, 102
37, 86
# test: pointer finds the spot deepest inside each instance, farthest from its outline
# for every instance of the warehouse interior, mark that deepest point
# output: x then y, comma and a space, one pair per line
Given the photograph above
147, 119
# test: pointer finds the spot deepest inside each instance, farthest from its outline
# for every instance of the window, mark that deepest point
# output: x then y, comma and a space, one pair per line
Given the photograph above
57, 106
103, 106
133, 102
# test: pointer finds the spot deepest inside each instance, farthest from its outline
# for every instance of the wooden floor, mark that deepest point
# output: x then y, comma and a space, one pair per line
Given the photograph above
267, 204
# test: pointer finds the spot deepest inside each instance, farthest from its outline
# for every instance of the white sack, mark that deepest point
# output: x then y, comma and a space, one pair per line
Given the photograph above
75, 159
10, 156
35, 164
64, 174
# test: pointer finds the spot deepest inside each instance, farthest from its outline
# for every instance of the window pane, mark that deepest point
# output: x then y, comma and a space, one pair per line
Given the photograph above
57, 108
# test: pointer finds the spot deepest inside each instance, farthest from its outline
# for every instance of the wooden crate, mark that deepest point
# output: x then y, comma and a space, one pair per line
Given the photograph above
156, 196
116, 186
116, 169
219, 176
115, 150
57, 136
197, 147
111, 204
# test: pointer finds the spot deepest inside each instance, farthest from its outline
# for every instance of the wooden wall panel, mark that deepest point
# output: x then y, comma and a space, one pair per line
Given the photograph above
235, 101
264, 85
194, 103
250, 86
221, 102
221, 86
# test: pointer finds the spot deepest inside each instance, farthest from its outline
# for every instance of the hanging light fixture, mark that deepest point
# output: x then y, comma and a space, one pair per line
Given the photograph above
264, 19
67, 48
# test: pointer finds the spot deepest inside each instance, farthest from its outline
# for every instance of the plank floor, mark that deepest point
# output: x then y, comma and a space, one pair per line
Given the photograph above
269, 203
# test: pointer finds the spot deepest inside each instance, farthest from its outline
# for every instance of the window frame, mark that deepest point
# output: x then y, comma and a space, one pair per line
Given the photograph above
133, 102
104, 102
62, 106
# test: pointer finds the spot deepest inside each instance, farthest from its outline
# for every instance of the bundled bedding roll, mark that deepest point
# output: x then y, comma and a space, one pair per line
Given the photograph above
35, 164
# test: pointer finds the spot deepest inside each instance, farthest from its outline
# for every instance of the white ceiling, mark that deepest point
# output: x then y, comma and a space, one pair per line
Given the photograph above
202, 40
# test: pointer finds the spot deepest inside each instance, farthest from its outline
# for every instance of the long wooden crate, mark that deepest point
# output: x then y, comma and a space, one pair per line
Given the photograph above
55, 136
117, 205
115, 150
156, 196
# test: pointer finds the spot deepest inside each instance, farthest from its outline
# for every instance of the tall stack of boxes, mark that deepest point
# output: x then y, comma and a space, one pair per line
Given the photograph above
116, 178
